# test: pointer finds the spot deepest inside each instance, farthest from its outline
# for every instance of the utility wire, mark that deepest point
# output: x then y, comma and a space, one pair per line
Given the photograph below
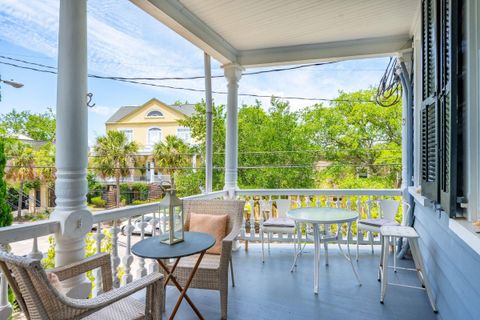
178, 78
287, 166
164, 86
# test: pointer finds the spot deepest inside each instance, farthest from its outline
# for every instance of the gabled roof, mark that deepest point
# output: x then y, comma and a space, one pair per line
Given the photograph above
122, 112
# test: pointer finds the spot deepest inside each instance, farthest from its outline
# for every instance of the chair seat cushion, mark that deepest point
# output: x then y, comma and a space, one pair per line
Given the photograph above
279, 222
213, 224
378, 222
209, 261
127, 308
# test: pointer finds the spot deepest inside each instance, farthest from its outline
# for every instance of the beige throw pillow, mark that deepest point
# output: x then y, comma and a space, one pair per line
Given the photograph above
215, 225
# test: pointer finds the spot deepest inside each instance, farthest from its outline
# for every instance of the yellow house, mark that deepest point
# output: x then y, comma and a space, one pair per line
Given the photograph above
151, 122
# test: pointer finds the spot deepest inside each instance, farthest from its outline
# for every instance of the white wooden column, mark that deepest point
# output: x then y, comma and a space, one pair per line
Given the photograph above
71, 141
209, 125
233, 73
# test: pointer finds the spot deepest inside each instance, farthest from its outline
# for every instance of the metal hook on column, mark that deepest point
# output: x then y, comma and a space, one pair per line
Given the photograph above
89, 100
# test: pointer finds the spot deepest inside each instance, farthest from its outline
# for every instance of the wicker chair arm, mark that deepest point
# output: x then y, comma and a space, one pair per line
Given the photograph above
227, 247
101, 260
115, 295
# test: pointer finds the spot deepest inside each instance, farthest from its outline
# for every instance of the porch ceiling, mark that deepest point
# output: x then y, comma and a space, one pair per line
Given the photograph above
268, 32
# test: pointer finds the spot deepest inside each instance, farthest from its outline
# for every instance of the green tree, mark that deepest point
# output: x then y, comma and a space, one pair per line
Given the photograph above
272, 148
171, 154
45, 162
114, 156
5, 210
21, 168
358, 139
197, 124
38, 126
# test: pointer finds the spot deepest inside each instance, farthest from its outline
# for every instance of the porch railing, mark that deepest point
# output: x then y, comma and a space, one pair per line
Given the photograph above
108, 224
261, 203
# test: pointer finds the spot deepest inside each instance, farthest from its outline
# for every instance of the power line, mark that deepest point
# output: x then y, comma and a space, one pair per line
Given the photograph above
287, 166
179, 78
164, 86
325, 151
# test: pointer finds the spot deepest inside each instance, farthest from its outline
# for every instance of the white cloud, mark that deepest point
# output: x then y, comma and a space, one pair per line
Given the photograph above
125, 41
103, 110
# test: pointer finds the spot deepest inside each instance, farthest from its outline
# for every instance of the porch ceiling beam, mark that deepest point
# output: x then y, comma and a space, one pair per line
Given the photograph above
174, 15
328, 51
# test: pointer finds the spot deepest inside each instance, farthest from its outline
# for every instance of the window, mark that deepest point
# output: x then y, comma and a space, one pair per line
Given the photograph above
128, 133
154, 114
184, 134
442, 102
154, 136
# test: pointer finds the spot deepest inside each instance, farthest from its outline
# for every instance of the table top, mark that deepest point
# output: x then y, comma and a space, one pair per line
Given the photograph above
194, 242
321, 215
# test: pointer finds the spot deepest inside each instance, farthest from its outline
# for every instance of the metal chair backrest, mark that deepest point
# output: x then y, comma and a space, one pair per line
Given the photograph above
388, 208
283, 205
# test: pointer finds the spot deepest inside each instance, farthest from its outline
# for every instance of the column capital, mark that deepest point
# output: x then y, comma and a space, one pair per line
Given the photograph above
233, 71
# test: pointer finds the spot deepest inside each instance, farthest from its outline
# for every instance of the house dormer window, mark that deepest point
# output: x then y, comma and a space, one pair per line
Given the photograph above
154, 114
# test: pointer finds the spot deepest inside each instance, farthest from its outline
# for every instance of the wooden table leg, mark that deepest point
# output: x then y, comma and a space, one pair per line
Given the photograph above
183, 291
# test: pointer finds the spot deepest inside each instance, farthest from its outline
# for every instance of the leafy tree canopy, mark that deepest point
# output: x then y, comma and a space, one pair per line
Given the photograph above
38, 126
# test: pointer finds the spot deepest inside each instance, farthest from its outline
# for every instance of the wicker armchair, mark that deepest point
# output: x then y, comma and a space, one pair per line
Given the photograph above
38, 299
213, 271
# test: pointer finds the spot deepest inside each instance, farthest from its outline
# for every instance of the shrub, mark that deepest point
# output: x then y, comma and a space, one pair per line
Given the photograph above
5, 210
98, 202
137, 202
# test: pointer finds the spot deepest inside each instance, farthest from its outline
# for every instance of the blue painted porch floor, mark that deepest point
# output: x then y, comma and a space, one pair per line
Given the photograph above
270, 291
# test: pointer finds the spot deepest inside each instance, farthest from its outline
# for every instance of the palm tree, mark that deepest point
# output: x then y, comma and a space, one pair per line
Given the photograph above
141, 165
171, 154
21, 168
45, 161
114, 155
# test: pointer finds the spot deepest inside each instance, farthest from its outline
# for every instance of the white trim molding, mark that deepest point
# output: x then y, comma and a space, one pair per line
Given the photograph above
464, 230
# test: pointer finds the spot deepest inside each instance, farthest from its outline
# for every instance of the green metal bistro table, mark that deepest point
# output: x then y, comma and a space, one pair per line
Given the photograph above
194, 243
325, 216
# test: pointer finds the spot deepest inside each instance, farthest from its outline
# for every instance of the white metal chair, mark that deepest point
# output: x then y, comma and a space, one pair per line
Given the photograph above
276, 225
388, 210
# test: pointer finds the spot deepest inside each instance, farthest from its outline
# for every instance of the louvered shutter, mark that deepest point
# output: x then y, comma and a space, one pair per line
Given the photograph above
429, 112
447, 100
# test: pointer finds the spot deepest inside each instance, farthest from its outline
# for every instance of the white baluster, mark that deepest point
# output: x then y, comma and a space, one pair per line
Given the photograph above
338, 203
98, 236
369, 215
115, 258
369, 207
252, 220
153, 265
244, 225
359, 208
5, 307
349, 203
142, 271
35, 254
127, 260
307, 201
319, 201
299, 201
327, 203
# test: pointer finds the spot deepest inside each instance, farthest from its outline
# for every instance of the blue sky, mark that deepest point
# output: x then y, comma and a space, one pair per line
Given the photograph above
125, 41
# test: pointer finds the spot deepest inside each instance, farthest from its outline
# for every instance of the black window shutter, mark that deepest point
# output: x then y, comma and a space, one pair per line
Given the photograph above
448, 101
429, 113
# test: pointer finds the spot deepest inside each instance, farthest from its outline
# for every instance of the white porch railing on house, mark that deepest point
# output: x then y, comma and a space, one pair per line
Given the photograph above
261, 203
363, 201
104, 220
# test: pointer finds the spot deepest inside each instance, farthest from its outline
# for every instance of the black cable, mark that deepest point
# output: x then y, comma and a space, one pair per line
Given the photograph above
194, 89
177, 78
